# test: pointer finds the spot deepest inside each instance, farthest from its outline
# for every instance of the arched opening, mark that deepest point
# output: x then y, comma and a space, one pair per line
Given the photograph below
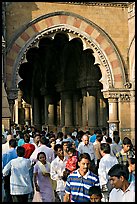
60, 80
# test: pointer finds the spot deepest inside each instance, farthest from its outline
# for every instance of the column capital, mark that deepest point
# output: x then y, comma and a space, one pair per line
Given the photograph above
12, 94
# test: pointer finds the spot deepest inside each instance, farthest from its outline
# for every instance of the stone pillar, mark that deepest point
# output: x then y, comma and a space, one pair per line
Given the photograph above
16, 112
27, 113
46, 104
11, 107
76, 105
113, 115
62, 110
102, 110
37, 114
84, 110
125, 115
51, 114
68, 110
132, 112
92, 108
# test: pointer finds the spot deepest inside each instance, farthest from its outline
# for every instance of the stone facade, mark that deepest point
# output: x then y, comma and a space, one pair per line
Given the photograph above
105, 28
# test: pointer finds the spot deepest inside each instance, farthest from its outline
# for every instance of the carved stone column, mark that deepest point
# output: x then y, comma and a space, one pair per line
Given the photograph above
76, 110
37, 115
11, 107
92, 108
125, 114
113, 115
51, 114
27, 113
62, 110
132, 119
68, 110
46, 104
84, 109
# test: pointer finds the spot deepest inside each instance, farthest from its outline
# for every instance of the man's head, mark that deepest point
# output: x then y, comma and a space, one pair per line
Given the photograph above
26, 138
85, 139
13, 143
105, 148
127, 144
84, 162
20, 151
118, 175
59, 150
9, 137
95, 194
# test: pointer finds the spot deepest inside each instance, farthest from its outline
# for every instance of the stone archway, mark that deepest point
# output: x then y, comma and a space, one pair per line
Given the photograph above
105, 51
99, 41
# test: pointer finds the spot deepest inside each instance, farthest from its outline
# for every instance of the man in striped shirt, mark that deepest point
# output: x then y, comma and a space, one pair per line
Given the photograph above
79, 182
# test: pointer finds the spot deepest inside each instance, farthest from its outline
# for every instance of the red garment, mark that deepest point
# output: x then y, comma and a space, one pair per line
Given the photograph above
71, 164
29, 148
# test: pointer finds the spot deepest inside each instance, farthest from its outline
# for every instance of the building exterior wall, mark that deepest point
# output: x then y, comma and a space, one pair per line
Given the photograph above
116, 22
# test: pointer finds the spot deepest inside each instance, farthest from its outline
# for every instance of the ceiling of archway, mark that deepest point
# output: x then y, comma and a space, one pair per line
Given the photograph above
58, 64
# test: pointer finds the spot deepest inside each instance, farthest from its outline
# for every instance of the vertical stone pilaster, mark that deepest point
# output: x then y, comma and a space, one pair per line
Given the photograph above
11, 107
113, 116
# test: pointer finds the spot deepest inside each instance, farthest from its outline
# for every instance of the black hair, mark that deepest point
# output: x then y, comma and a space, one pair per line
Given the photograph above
41, 153
105, 147
58, 146
44, 140
13, 143
20, 151
96, 190
26, 138
132, 160
115, 132
98, 132
85, 156
119, 170
72, 150
126, 141
109, 140
116, 138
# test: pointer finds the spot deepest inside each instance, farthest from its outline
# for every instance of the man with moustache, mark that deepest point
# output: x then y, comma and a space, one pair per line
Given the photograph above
79, 182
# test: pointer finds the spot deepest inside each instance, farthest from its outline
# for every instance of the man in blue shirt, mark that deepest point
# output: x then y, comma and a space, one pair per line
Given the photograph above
79, 182
6, 157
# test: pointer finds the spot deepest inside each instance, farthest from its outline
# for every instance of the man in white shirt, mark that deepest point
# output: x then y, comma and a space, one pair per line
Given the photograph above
5, 146
105, 164
43, 148
123, 191
87, 147
20, 181
56, 171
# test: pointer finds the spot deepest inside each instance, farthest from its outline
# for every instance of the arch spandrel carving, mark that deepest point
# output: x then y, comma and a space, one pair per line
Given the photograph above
113, 79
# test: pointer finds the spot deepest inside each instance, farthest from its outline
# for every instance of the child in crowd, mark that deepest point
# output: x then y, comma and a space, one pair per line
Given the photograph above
95, 194
71, 164
126, 152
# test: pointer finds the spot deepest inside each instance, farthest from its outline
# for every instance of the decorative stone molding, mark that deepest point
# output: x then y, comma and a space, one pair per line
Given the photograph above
124, 97
12, 94
128, 85
106, 4
120, 95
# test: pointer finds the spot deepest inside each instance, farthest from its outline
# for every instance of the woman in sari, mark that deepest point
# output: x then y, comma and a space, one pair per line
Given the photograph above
44, 190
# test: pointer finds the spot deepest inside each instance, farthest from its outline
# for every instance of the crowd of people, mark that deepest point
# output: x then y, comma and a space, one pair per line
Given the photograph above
42, 166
